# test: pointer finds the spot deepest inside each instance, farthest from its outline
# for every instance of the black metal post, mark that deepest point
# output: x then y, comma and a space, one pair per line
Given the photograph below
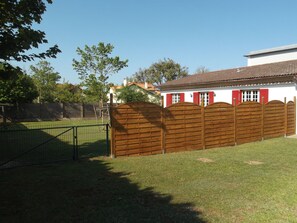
75, 144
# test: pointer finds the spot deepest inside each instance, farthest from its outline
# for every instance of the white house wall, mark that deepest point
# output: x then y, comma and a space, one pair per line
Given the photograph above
271, 58
275, 92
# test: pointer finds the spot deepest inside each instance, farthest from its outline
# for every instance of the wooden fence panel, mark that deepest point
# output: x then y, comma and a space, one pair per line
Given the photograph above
248, 122
182, 127
219, 125
146, 128
137, 129
291, 118
274, 119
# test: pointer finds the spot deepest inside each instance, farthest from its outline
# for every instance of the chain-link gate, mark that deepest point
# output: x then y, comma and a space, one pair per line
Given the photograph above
23, 147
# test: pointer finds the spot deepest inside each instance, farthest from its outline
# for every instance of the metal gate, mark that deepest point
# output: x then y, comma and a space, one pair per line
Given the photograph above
23, 147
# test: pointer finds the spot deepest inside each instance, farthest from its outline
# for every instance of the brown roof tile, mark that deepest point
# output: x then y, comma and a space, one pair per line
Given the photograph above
266, 73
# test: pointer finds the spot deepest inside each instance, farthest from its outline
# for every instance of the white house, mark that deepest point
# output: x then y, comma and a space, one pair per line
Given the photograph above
270, 75
150, 90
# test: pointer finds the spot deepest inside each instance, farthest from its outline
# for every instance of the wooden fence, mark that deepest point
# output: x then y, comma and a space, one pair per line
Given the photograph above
144, 128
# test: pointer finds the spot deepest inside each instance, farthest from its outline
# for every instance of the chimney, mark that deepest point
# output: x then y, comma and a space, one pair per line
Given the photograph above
125, 82
145, 85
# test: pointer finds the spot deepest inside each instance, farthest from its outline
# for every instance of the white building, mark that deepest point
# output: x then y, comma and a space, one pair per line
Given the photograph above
270, 75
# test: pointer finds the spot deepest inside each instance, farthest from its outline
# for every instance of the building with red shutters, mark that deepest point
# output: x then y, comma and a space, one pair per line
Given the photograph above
271, 74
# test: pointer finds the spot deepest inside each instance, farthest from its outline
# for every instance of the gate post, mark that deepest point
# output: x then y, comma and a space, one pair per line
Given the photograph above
107, 139
75, 144
111, 113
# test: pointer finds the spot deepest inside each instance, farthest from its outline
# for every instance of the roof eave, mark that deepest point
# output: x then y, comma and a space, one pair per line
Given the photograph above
233, 82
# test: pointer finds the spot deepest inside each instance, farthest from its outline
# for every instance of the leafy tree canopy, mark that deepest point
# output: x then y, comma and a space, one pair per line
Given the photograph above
45, 79
128, 94
16, 33
160, 72
95, 67
18, 88
67, 92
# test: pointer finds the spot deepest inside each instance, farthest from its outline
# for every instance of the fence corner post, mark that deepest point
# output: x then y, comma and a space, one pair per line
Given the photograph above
294, 114
163, 149
235, 121
286, 117
112, 130
262, 118
203, 124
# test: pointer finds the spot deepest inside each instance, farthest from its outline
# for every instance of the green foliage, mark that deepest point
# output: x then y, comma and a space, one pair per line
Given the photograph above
94, 68
16, 33
45, 79
160, 72
18, 88
67, 92
128, 94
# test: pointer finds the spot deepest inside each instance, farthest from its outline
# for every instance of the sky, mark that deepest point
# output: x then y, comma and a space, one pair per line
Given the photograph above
215, 34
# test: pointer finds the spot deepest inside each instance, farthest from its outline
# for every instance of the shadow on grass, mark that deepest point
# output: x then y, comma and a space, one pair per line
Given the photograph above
85, 191
93, 149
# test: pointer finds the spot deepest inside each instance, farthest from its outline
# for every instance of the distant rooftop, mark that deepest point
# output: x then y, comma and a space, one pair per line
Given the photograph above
272, 50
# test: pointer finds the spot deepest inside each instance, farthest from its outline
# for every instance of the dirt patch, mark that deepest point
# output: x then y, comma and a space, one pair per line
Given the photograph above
253, 162
205, 160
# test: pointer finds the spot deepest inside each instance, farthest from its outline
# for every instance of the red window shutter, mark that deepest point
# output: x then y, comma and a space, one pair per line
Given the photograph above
236, 94
211, 97
182, 97
168, 100
196, 98
264, 96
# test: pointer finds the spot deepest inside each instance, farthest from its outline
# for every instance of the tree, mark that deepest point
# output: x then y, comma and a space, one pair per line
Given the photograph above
16, 33
140, 76
67, 92
127, 94
18, 88
45, 79
201, 70
94, 68
161, 72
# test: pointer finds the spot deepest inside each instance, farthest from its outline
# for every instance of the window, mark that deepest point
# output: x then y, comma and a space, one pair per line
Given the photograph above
204, 97
175, 98
250, 95
260, 95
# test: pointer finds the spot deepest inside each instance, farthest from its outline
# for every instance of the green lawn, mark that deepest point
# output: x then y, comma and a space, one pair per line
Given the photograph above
255, 182
23, 138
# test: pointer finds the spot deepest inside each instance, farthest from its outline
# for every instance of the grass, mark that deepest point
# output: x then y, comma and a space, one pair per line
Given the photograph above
255, 182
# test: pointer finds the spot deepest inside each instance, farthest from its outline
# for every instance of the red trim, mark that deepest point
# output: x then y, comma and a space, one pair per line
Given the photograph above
211, 97
264, 96
196, 98
182, 97
236, 94
168, 100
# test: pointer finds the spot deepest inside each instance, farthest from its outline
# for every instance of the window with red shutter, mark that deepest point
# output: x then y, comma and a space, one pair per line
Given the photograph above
264, 96
211, 97
196, 98
181, 97
236, 95
168, 100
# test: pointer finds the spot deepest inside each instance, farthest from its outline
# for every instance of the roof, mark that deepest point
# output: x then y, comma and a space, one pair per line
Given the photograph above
150, 88
272, 50
259, 74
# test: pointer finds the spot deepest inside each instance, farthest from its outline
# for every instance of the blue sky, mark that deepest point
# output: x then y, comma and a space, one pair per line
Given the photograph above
211, 33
